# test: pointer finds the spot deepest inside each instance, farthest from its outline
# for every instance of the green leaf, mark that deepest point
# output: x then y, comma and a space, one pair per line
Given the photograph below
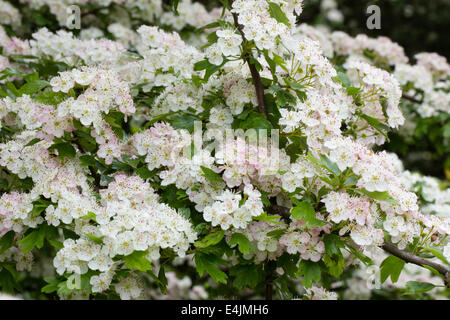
365, 259
211, 239
132, 161
211, 175
174, 4
289, 264
12, 90
246, 276
370, 54
225, 4
33, 87
310, 271
276, 233
6, 241
333, 244
185, 212
264, 198
335, 264
274, 61
162, 279
33, 142
353, 91
294, 85
305, 211
32, 240
39, 206
50, 97
10, 72
277, 13
269, 218
65, 149
377, 124
137, 260
391, 266
63, 289
244, 245
57, 244
211, 25
256, 120
379, 195
212, 38
90, 216
327, 164
12, 270
208, 67
446, 130
283, 96
184, 121
331, 166
143, 172
297, 147
52, 285
97, 240
437, 253
87, 160
115, 120
202, 228
209, 263
85, 140
4, 184
413, 287
343, 77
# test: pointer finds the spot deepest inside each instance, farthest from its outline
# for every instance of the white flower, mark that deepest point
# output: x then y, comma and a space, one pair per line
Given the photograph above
101, 282
128, 288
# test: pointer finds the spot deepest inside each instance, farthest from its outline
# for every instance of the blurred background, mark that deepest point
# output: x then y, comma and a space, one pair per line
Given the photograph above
417, 25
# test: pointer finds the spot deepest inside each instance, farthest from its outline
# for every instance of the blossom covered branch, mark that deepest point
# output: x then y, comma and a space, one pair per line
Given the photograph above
408, 257
388, 247
259, 86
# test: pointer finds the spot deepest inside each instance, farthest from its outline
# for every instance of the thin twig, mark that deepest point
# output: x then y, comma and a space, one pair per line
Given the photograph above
412, 99
388, 247
269, 289
411, 258
259, 86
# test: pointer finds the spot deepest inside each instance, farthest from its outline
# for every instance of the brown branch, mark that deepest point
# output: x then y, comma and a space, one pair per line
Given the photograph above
269, 290
411, 258
269, 280
259, 86
388, 247
282, 211
412, 99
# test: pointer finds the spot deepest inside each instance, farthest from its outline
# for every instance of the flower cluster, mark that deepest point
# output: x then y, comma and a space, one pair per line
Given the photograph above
63, 47
129, 219
227, 209
259, 25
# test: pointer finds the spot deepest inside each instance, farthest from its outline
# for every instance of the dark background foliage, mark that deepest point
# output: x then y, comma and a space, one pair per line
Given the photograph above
417, 25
